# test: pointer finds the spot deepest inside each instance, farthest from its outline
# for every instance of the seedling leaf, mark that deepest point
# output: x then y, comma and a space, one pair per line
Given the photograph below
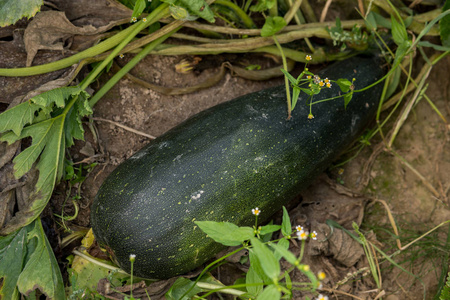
286, 228
344, 84
194, 7
262, 5
295, 94
399, 33
272, 26
347, 98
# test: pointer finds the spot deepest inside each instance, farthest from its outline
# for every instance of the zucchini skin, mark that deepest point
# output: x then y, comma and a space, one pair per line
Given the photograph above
221, 163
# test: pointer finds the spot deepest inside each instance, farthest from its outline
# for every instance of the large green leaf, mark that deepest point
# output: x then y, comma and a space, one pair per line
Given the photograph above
12, 11
27, 263
41, 270
46, 152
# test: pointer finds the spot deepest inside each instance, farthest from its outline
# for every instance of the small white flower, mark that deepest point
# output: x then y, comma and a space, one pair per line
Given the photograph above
322, 297
302, 235
256, 211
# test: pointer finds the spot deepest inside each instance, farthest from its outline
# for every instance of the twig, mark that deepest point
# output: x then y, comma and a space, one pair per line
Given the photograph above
325, 10
341, 292
125, 127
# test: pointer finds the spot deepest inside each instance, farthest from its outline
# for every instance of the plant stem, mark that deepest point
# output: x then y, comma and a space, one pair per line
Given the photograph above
286, 81
221, 288
246, 20
159, 12
131, 65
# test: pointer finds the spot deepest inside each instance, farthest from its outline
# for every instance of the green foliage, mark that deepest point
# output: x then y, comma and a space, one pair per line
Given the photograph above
182, 289
190, 9
12, 11
226, 233
264, 279
314, 85
272, 26
357, 38
57, 124
444, 26
263, 5
445, 293
27, 263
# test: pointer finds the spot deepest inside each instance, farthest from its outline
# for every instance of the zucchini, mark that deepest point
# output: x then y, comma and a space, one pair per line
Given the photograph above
221, 163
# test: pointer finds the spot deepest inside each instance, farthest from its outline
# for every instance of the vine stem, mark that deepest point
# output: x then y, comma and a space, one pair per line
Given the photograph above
158, 13
175, 26
286, 81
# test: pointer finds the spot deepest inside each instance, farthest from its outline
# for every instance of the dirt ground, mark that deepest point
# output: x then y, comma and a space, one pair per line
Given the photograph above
347, 197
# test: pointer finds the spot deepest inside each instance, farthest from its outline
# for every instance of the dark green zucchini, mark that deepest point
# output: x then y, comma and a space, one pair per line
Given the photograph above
220, 164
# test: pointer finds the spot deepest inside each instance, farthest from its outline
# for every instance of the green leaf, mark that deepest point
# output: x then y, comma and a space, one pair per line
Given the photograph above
139, 7
295, 94
27, 263
255, 263
17, 117
371, 22
269, 263
49, 139
289, 77
288, 280
281, 249
226, 233
180, 287
307, 91
269, 229
12, 11
194, 7
284, 244
262, 5
344, 84
271, 292
434, 46
272, 26
286, 228
380, 20
399, 33
41, 270
347, 98
252, 277
444, 26
12, 254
